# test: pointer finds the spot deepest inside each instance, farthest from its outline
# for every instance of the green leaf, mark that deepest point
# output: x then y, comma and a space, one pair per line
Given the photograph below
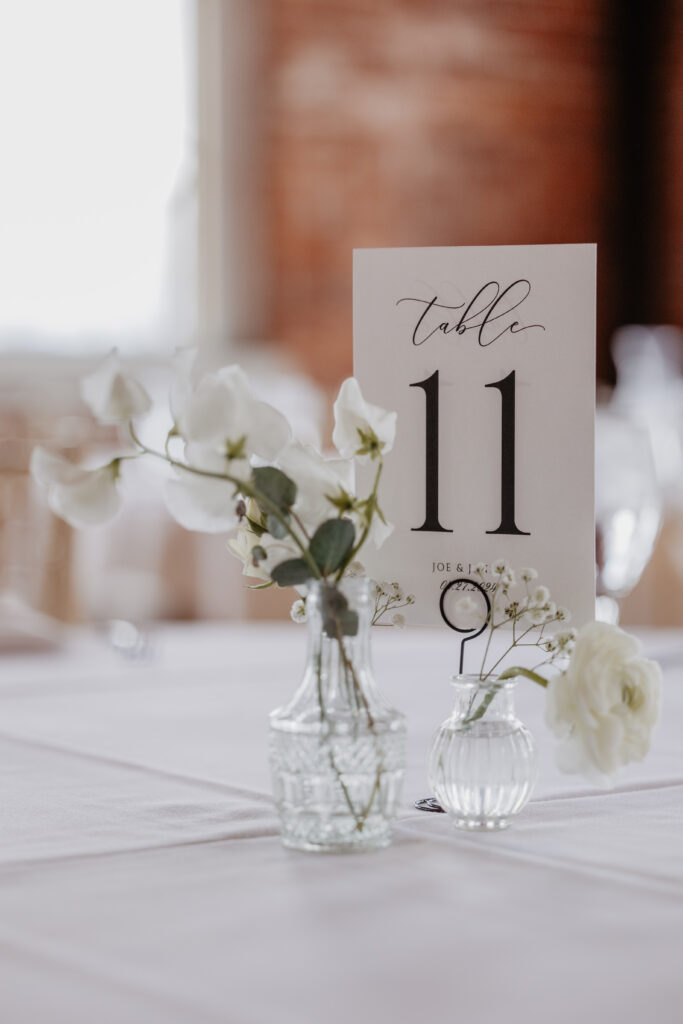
331, 543
255, 527
338, 618
258, 554
291, 573
276, 528
275, 486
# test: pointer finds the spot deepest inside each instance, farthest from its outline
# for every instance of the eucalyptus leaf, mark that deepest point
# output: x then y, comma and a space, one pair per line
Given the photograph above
291, 573
276, 528
345, 624
276, 486
258, 554
331, 543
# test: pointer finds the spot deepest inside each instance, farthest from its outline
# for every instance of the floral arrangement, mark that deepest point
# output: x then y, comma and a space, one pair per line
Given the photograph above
235, 465
603, 701
298, 517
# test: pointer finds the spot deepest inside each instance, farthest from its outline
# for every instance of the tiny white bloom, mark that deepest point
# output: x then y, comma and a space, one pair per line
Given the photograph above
82, 497
550, 610
529, 575
112, 395
358, 425
563, 614
397, 591
566, 640
466, 605
540, 597
356, 569
501, 567
298, 611
398, 620
605, 706
480, 569
536, 615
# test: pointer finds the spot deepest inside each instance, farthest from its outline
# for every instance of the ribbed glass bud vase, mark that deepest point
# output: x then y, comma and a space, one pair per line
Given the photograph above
482, 764
337, 750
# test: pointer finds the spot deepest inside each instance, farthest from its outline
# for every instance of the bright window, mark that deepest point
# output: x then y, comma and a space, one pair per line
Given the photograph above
97, 175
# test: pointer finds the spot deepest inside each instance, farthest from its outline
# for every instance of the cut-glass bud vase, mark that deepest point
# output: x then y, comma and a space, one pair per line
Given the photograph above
337, 750
482, 765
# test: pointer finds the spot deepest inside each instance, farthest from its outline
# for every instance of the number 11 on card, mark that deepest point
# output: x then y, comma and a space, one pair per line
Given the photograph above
432, 524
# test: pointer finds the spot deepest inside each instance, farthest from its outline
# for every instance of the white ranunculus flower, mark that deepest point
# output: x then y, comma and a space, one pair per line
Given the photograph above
112, 395
222, 415
315, 477
605, 705
358, 425
82, 497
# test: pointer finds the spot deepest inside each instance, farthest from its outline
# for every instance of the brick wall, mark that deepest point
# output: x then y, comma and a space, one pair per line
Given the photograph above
427, 122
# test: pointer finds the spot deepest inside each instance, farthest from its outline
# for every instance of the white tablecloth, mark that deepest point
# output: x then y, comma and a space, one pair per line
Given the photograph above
142, 879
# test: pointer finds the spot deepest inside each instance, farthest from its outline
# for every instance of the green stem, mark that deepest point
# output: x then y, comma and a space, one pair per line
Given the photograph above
364, 535
528, 673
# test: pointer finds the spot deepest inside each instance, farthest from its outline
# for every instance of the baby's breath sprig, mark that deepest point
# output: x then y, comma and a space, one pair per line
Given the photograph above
529, 615
389, 597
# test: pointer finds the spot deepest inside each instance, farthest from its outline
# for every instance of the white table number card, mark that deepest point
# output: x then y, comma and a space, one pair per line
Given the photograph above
488, 355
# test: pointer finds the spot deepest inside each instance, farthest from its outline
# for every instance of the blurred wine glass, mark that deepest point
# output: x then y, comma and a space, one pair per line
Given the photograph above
628, 508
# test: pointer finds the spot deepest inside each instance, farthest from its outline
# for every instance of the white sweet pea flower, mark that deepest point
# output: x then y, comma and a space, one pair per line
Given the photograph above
361, 430
605, 705
379, 531
272, 552
221, 416
112, 395
201, 503
82, 497
242, 547
317, 479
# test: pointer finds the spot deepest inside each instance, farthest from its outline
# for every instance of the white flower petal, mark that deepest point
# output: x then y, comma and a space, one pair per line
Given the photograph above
81, 497
47, 468
222, 412
201, 503
353, 414
91, 501
316, 477
112, 395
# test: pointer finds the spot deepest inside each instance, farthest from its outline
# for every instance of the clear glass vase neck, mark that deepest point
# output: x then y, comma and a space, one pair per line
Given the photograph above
495, 697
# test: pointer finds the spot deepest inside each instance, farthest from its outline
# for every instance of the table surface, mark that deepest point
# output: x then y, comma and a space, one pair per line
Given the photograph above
142, 879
